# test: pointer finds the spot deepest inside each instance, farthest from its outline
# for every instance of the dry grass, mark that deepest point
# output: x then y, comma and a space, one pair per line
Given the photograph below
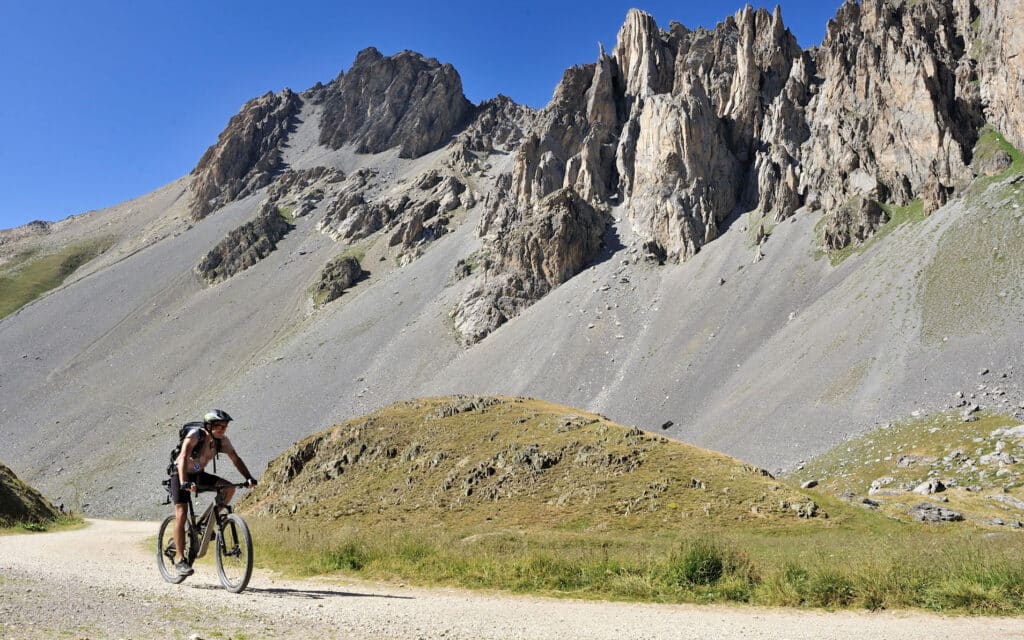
500, 495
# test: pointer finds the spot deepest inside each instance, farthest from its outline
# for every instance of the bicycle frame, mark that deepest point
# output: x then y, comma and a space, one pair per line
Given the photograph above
203, 526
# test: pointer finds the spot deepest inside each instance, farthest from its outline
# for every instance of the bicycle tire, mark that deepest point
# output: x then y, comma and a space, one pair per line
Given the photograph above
234, 553
165, 552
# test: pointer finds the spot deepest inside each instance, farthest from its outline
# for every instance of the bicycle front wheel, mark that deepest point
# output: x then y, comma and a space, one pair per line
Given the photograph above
165, 553
234, 553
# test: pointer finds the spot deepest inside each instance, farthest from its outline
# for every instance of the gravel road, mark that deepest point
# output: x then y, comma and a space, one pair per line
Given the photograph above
101, 582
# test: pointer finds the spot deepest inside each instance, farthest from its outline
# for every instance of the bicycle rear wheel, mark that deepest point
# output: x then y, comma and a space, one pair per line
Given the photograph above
165, 552
234, 553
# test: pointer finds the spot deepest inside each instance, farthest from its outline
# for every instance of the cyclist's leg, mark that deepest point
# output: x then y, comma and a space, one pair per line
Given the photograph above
225, 488
180, 500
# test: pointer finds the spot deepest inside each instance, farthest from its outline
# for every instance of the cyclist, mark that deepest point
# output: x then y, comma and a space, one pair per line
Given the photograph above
197, 449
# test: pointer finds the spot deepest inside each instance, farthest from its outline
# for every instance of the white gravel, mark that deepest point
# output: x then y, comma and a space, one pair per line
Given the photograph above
101, 582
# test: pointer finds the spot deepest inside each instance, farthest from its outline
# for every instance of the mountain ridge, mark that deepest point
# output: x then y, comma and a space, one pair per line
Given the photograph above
642, 247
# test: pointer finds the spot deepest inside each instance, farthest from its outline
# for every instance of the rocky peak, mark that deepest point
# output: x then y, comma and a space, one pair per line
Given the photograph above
247, 153
405, 100
644, 56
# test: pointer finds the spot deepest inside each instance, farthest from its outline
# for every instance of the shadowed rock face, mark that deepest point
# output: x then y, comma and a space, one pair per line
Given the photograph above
994, 42
247, 153
404, 100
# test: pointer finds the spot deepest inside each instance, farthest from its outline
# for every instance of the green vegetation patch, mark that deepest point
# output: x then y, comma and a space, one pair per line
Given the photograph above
898, 216
975, 461
34, 274
990, 147
288, 213
972, 284
21, 505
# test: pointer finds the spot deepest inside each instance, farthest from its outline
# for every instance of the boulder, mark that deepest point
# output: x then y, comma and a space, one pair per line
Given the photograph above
924, 512
340, 274
854, 222
929, 487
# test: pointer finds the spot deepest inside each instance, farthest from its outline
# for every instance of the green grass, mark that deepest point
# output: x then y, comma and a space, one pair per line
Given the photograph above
63, 523
36, 274
882, 567
288, 213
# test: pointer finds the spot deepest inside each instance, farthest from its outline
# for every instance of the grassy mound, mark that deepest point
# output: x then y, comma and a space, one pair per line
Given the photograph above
533, 497
22, 505
465, 462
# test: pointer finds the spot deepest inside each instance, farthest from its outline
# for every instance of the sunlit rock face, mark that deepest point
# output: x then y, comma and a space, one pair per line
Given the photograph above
404, 101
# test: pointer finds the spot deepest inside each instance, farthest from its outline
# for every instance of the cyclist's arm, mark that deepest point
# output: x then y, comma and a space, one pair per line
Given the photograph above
229, 449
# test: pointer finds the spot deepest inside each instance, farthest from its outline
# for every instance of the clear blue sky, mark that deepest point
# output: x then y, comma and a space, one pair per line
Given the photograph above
105, 101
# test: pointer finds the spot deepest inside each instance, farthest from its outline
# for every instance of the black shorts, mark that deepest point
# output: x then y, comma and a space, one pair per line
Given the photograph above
202, 479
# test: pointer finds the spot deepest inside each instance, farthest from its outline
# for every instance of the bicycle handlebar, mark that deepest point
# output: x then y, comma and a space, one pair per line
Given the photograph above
203, 488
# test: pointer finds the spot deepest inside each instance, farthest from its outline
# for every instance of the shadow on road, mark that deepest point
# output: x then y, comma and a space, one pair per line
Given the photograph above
312, 594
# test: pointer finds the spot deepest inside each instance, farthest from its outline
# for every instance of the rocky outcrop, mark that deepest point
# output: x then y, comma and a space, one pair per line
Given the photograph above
21, 504
529, 253
299, 192
339, 275
855, 221
245, 246
404, 101
417, 216
886, 122
247, 154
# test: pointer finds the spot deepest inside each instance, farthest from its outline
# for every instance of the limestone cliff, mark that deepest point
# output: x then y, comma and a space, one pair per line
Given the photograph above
886, 122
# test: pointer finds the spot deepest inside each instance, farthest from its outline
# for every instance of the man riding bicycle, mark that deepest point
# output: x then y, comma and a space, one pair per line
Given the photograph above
197, 450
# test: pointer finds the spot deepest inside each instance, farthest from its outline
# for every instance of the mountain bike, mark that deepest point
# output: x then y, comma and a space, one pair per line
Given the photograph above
227, 530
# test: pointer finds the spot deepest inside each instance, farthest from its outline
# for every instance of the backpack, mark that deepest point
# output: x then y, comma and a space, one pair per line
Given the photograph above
186, 430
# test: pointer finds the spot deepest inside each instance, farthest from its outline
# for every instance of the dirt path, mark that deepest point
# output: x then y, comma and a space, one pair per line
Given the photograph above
100, 582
